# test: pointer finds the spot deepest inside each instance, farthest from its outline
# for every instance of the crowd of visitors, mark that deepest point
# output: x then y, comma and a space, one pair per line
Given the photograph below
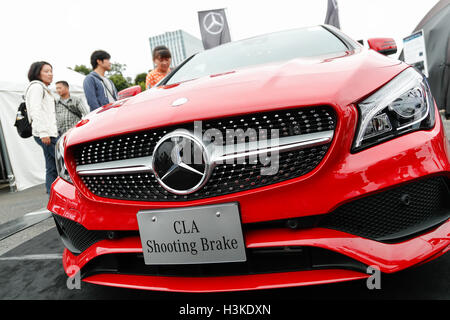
50, 117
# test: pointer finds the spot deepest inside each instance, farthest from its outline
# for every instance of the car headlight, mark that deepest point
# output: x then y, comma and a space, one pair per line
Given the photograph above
59, 157
403, 105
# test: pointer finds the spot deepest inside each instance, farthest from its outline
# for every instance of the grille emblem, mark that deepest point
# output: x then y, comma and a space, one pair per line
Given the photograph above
181, 163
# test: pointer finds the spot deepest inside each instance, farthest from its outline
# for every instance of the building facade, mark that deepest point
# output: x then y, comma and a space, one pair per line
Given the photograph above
180, 43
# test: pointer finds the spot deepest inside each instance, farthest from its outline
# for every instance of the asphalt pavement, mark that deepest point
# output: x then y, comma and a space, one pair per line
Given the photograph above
31, 267
15, 206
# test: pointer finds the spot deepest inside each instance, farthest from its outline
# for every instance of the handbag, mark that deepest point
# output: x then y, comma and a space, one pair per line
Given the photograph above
22, 123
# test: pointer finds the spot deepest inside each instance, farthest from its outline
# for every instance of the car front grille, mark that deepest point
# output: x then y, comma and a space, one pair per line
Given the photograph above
140, 144
225, 178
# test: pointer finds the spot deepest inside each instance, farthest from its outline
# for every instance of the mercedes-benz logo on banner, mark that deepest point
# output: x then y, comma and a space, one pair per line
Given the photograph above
181, 162
214, 28
213, 23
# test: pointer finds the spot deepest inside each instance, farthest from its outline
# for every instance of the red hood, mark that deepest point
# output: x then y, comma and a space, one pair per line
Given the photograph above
338, 81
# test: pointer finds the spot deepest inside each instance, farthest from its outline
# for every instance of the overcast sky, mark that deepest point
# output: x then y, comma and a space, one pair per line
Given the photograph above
66, 32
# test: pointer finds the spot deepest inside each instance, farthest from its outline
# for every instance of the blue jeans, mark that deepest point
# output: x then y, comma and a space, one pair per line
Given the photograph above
50, 163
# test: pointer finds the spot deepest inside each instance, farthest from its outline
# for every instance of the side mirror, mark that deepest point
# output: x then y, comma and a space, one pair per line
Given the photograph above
129, 92
384, 46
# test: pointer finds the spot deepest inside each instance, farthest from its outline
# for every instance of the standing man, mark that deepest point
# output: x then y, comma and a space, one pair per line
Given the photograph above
69, 110
98, 89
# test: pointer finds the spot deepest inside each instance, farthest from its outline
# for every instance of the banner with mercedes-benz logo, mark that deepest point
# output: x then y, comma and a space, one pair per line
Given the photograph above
332, 17
213, 28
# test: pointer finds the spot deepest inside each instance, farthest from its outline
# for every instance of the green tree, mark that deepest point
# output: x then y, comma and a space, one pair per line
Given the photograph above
120, 81
139, 80
82, 69
116, 76
117, 68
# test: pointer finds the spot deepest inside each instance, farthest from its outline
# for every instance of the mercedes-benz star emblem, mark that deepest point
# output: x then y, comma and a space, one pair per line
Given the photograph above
181, 162
213, 23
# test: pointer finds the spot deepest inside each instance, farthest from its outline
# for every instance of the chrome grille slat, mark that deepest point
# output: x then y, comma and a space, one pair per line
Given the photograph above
133, 165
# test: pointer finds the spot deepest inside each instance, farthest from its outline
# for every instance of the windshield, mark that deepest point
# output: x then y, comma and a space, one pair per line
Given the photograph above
279, 46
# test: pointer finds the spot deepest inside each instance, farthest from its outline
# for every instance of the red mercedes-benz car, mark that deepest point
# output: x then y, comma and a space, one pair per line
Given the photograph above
288, 159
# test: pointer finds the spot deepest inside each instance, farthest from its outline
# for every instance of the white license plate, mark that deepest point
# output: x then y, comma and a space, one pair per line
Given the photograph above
206, 234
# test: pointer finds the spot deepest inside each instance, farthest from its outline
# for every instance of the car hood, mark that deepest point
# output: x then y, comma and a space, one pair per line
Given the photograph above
338, 81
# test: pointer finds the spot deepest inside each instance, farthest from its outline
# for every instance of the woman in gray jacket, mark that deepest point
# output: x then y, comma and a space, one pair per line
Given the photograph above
41, 112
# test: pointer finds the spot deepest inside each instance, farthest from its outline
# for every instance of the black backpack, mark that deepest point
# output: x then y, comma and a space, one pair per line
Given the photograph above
22, 124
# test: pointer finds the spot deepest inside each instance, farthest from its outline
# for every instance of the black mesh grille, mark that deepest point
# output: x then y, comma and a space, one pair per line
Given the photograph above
261, 260
226, 178
75, 236
140, 144
395, 213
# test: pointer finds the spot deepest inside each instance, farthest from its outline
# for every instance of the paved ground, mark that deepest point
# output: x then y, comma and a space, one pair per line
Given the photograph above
16, 205
30, 268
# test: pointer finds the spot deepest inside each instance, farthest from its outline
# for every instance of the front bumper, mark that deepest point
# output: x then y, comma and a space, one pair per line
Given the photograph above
387, 257
341, 178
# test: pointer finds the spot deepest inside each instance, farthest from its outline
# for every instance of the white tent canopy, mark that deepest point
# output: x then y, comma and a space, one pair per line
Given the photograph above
25, 155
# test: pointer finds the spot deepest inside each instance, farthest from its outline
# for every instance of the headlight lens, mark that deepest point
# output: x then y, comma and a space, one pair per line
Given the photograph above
59, 157
403, 105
